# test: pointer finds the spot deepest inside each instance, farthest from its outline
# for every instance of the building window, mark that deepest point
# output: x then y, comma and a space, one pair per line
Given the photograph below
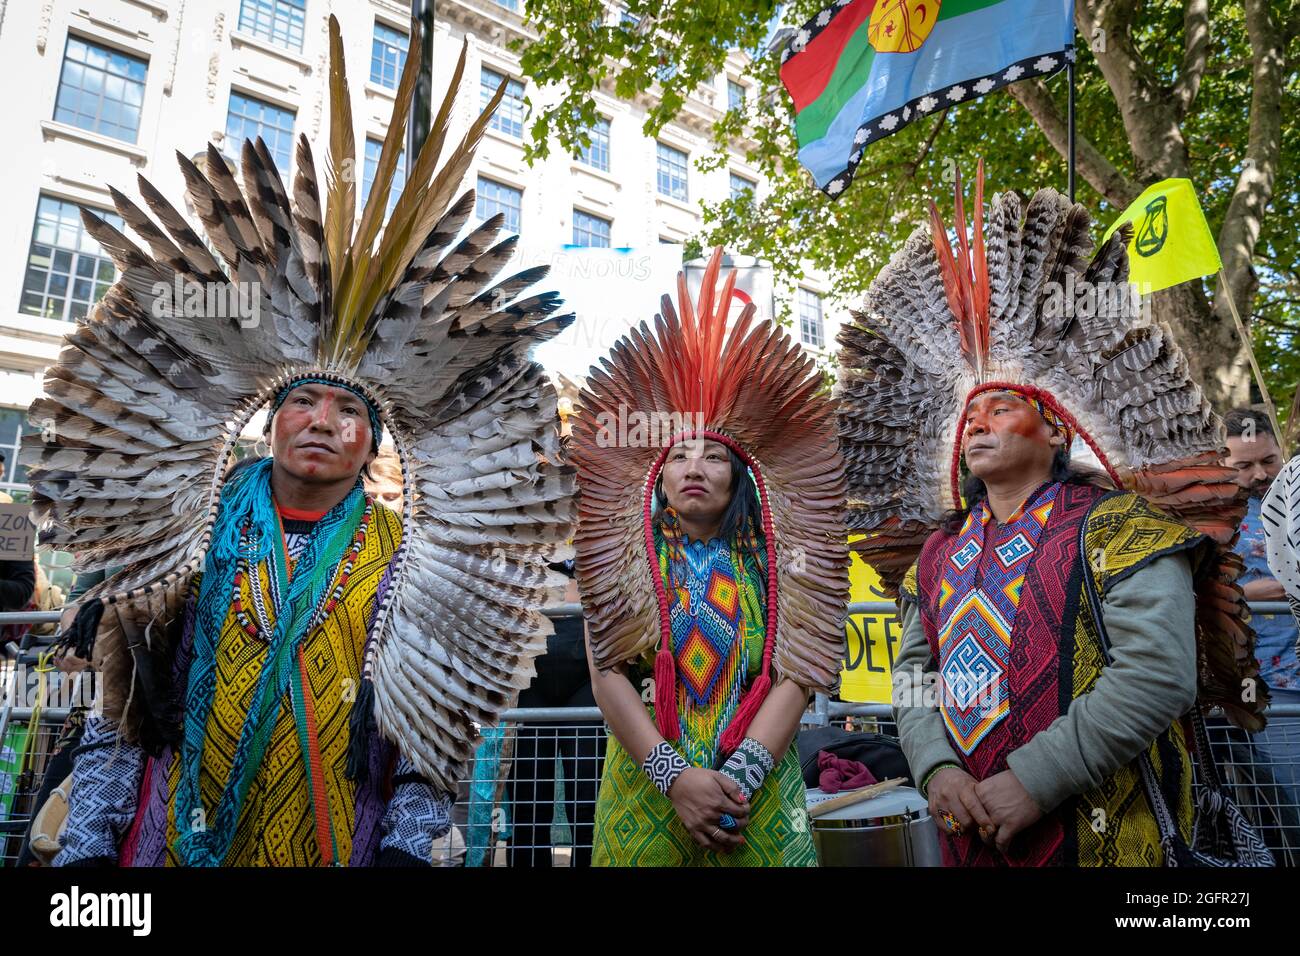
493, 198
597, 154
629, 19
509, 117
67, 271
740, 186
667, 67
811, 331
13, 426
387, 55
735, 95
250, 118
509, 4
589, 230
672, 172
371, 164
276, 21
101, 90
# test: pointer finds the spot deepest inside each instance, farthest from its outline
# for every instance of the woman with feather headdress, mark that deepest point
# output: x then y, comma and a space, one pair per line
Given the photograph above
714, 573
1066, 617
292, 671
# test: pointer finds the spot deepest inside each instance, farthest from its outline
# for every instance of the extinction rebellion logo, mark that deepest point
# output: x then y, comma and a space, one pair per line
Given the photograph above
1154, 231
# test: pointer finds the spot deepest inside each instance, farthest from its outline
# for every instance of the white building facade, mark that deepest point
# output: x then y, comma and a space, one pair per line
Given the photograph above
102, 90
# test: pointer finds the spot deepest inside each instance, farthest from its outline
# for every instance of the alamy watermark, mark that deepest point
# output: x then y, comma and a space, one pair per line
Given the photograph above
241, 301
24, 686
1074, 298
629, 428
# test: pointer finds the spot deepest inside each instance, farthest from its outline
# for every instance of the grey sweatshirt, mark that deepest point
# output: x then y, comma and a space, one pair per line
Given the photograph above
1150, 683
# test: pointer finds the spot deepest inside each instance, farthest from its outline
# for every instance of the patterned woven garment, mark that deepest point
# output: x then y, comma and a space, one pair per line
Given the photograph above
636, 825
277, 824
979, 615
1053, 655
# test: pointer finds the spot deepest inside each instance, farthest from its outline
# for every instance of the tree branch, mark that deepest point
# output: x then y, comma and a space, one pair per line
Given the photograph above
1101, 174
1196, 53
1145, 104
1254, 189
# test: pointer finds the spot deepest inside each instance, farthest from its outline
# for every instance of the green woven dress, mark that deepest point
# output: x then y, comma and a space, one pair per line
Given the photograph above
636, 825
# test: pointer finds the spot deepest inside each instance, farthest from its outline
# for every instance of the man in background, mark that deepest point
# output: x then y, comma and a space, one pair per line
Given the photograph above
1270, 758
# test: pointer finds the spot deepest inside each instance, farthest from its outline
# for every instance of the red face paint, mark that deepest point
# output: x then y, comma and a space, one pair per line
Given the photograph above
321, 433
1003, 434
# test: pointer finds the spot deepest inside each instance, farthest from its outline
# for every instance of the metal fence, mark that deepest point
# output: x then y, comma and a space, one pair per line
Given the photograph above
529, 796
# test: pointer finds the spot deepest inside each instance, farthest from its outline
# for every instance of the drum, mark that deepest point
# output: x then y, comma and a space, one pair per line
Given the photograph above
893, 829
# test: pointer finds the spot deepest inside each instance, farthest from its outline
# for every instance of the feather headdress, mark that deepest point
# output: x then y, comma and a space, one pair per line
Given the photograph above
756, 391
1021, 305
143, 408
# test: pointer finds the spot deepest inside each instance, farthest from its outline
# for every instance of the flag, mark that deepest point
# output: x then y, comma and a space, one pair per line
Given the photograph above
1171, 240
862, 69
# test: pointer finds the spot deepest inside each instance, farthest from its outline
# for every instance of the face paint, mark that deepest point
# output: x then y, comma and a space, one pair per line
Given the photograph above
1005, 434
321, 433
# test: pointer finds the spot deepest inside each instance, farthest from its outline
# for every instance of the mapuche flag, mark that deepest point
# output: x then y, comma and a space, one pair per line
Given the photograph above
862, 69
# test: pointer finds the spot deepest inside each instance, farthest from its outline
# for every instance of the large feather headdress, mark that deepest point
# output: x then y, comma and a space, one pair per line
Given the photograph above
756, 391
1019, 304
145, 404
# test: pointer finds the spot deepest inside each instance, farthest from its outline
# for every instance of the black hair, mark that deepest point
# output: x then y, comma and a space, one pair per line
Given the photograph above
246, 462
974, 490
1240, 420
741, 514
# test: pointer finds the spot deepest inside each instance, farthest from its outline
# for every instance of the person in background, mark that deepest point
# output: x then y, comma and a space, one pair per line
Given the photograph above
1270, 758
17, 578
1255, 454
384, 479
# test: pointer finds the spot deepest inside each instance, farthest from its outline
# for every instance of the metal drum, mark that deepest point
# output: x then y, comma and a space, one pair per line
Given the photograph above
893, 829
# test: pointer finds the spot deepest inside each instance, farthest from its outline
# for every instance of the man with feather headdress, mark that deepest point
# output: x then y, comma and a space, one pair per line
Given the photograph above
1055, 622
292, 671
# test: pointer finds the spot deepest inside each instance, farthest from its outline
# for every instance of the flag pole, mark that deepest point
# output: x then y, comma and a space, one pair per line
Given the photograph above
1069, 121
417, 130
1250, 353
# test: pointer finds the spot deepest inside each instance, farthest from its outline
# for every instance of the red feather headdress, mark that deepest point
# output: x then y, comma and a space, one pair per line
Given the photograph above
755, 390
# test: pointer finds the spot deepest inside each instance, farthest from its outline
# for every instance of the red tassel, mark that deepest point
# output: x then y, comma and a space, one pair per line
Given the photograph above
749, 704
666, 694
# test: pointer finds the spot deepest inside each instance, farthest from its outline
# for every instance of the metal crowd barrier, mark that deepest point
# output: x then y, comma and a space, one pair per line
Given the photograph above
529, 796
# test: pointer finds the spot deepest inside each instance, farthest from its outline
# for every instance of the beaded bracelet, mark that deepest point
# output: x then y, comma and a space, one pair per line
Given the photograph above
749, 766
663, 765
924, 788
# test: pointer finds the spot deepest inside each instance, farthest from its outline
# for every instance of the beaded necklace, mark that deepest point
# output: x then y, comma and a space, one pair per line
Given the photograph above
257, 624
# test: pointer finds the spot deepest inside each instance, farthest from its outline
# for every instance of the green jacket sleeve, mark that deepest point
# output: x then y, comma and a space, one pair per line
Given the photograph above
1149, 684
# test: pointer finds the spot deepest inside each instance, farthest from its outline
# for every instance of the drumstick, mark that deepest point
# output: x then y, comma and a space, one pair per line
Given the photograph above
853, 796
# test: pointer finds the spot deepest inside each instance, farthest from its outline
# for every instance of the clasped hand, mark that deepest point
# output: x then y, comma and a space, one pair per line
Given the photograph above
700, 798
997, 808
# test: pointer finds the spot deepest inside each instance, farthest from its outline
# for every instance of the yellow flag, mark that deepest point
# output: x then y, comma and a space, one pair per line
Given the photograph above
1171, 239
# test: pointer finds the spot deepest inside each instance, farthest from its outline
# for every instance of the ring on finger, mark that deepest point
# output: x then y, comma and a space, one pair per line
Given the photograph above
717, 832
951, 822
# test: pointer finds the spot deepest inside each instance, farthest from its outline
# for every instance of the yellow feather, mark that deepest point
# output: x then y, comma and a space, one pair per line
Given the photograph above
340, 173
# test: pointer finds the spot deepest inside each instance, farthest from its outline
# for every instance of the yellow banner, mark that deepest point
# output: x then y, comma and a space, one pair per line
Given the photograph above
1171, 241
872, 639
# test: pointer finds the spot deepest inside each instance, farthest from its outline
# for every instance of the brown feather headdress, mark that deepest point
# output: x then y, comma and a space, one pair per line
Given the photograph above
1020, 305
756, 391
147, 400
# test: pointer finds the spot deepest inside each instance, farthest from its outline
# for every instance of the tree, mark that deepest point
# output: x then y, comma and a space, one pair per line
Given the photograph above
1189, 89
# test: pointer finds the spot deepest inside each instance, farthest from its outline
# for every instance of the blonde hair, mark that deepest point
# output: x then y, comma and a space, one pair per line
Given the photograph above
386, 469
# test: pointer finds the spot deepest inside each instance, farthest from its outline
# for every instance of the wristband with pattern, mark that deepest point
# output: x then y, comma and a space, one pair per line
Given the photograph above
749, 766
663, 765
